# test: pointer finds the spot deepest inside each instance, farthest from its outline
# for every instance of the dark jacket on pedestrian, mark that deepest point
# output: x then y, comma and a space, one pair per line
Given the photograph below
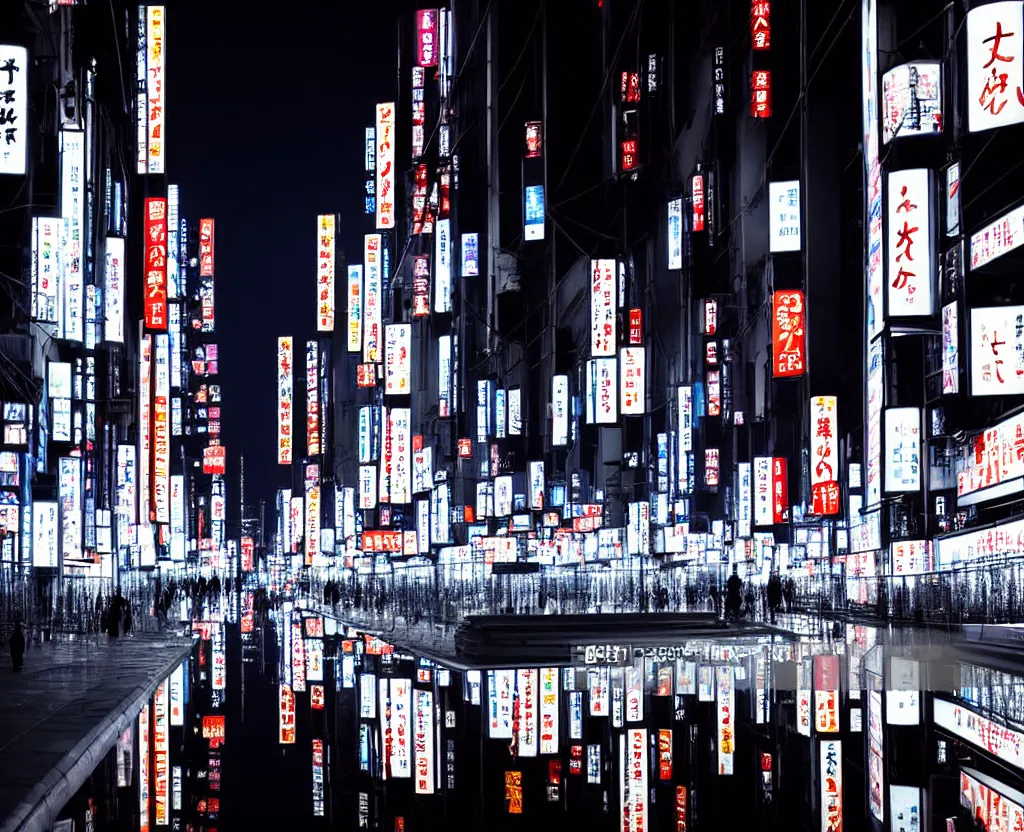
17, 644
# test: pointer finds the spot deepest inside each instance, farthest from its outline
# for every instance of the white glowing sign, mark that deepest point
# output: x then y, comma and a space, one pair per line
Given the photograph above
401, 455
372, 297
998, 238
675, 233
603, 295
784, 216
398, 359
902, 449
355, 308
113, 291
950, 349
997, 351
909, 243
285, 395
443, 266
385, 169
559, 410
14, 95
995, 65
325, 273
72, 208
633, 377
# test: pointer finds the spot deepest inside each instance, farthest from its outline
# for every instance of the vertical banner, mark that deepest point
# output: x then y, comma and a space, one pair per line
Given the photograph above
826, 694
161, 431
206, 244
526, 693
325, 273
355, 308
312, 398
500, 691
831, 776
286, 716
144, 795
14, 94
789, 334
549, 710
145, 425
423, 742
372, 297
824, 455
156, 49
401, 707
633, 780
285, 392
156, 263
726, 718
161, 747
385, 140
603, 294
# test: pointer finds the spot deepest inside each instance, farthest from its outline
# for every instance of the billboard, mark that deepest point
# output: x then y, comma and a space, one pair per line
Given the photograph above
385, 170
156, 263
285, 391
325, 273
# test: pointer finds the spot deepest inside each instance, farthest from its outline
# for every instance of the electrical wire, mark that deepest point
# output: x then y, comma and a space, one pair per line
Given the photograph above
612, 64
755, 200
529, 37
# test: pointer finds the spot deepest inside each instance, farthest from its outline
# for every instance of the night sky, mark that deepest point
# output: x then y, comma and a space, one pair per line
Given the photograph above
267, 108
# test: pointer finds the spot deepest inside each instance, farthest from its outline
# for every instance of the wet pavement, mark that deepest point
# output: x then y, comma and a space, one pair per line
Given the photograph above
64, 712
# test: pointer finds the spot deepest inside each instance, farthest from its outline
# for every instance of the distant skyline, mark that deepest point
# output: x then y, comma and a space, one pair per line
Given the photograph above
265, 130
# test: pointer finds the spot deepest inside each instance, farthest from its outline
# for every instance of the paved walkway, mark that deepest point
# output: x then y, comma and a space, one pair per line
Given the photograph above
61, 715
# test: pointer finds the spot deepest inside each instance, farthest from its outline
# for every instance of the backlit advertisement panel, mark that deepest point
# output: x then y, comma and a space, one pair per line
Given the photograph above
45, 531
161, 431
312, 514
762, 489
178, 542
355, 308
549, 710
950, 348
831, 778
372, 297
161, 748
14, 94
398, 359
997, 238
824, 455
285, 391
206, 247
784, 216
633, 750
912, 100
156, 263
426, 37
312, 398
995, 65
113, 291
144, 776
603, 340
789, 334
909, 243
526, 696
145, 453
997, 351
533, 213
72, 210
726, 708
560, 410
286, 715
902, 449
325, 273
633, 377
385, 171
675, 233
470, 255
47, 276
156, 123
602, 392
423, 742
401, 716
400, 455
443, 266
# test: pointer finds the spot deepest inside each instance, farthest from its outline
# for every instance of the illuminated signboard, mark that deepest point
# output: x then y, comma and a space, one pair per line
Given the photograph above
355, 308
824, 455
675, 233
161, 431
312, 398
156, 263
909, 243
284, 400
633, 377
385, 168
912, 100
113, 291
325, 273
995, 65
372, 298
997, 351
760, 93
14, 95
206, 247
760, 25
603, 341
789, 335
156, 122
286, 715
533, 212
697, 200
902, 449
72, 209
398, 359
426, 37
784, 216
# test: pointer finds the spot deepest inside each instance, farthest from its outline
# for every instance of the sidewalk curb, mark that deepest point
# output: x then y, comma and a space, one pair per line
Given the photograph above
38, 811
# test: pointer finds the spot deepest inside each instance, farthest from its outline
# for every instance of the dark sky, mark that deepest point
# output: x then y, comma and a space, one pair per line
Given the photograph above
267, 106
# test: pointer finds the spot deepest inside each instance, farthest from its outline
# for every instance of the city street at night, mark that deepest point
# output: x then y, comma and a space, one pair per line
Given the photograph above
491, 415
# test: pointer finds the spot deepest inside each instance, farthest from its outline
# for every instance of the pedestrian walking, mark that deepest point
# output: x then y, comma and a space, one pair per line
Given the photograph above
17, 645
774, 594
127, 619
